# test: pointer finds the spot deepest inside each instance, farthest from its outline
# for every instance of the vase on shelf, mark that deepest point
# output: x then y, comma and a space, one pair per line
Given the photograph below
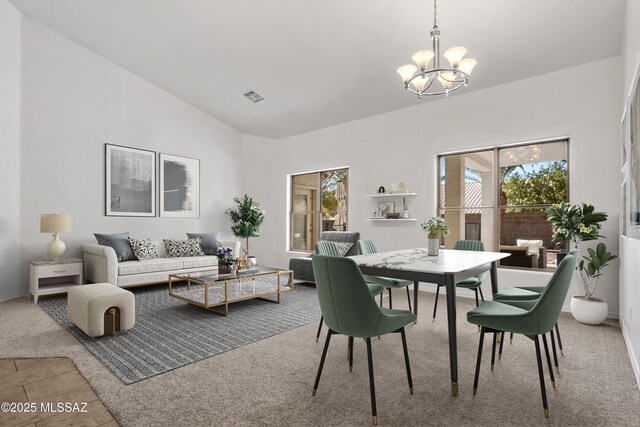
433, 244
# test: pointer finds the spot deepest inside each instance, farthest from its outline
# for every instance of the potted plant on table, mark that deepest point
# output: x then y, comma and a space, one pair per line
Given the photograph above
247, 217
434, 226
225, 259
577, 223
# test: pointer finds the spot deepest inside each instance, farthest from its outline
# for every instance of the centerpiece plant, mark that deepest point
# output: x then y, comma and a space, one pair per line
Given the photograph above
434, 226
247, 217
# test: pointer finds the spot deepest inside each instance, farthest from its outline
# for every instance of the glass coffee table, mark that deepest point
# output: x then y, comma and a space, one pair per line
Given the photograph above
208, 289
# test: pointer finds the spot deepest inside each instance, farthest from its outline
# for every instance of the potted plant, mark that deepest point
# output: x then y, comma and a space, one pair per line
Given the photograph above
247, 217
225, 259
577, 223
434, 226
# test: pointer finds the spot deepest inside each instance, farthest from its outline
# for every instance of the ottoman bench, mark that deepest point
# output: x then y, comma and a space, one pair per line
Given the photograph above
101, 309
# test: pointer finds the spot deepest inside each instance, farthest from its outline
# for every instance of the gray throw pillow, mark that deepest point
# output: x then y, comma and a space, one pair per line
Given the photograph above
209, 242
119, 243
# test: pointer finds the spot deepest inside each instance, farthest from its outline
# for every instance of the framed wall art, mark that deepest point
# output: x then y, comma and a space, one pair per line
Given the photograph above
633, 155
179, 186
130, 181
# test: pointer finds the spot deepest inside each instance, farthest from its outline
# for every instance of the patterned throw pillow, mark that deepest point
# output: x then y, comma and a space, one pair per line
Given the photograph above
143, 249
343, 247
183, 248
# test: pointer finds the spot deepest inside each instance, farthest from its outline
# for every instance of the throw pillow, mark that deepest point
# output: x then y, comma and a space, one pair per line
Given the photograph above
144, 249
119, 243
532, 245
343, 247
183, 248
209, 242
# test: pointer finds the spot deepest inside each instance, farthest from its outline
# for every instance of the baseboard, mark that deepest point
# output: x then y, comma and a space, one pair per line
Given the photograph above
632, 355
22, 294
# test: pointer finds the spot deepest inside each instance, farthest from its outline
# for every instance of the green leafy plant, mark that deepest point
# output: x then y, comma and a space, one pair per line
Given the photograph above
577, 223
595, 262
247, 217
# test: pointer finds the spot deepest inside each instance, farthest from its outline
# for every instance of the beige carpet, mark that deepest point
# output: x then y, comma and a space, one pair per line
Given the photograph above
269, 382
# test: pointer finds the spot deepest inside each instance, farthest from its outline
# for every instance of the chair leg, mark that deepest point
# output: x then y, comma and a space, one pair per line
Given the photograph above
501, 345
477, 303
559, 339
390, 298
324, 356
481, 296
511, 338
435, 305
319, 328
381, 297
543, 389
350, 351
475, 380
493, 349
555, 354
406, 359
408, 297
372, 386
546, 353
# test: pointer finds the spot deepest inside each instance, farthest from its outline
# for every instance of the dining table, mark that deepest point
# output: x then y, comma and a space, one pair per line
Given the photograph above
447, 268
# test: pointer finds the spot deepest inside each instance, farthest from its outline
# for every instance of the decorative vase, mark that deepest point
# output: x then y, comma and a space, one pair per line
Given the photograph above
252, 262
433, 245
224, 267
590, 311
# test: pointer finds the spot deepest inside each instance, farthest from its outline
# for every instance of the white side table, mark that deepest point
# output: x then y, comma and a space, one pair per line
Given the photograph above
54, 276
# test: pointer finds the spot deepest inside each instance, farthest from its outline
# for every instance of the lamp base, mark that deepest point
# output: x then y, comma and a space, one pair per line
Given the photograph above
56, 247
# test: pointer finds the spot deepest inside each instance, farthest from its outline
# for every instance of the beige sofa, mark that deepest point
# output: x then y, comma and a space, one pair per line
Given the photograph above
101, 265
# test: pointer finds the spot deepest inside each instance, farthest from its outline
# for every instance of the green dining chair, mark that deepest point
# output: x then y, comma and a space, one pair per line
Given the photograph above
530, 318
367, 247
530, 293
325, 247
349, 308
474, 283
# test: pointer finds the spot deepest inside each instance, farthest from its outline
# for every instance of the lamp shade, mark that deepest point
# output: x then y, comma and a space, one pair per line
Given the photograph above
455, 55
422, 58
406, 72
420, 82
466, 65
55, 223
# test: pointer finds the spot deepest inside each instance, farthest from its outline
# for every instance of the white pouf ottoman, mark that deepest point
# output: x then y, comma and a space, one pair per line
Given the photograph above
101, 309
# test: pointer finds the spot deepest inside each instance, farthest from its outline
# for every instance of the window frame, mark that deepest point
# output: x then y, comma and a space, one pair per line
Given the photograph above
496, 207
319, 211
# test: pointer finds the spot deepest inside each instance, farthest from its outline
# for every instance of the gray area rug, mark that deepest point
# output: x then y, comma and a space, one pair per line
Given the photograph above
169, 333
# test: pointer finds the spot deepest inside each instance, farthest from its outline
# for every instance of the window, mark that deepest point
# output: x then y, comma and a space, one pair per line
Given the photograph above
499, 196
319, 202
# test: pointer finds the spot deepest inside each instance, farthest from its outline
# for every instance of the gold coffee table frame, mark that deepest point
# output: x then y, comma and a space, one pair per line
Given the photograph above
208, 289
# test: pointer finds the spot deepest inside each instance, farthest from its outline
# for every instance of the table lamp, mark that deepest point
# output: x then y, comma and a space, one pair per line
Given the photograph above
56, 224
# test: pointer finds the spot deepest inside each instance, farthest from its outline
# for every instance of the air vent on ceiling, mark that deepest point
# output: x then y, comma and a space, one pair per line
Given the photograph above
253, 97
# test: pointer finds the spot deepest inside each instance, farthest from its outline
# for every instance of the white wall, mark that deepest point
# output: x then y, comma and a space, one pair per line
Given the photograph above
580, 102
10, 144
73, 102
630, 248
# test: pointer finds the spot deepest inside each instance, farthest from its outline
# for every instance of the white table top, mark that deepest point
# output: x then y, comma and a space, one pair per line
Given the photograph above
449, 261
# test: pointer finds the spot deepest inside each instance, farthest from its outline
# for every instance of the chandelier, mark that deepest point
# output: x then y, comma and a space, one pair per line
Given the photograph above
420, 79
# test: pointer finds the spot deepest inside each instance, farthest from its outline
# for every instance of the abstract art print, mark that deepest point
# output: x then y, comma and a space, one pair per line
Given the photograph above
130, 181
179, 187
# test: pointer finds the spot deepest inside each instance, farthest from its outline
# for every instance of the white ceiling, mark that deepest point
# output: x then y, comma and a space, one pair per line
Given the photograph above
323, 62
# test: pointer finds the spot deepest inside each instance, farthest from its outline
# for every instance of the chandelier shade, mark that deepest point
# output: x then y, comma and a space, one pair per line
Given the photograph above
418, 79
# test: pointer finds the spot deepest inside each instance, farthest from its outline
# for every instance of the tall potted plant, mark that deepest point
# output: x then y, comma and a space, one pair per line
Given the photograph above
247, 217
577, 223
434, 226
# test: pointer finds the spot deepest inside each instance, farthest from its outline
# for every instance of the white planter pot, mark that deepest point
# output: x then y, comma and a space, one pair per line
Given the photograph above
589, 311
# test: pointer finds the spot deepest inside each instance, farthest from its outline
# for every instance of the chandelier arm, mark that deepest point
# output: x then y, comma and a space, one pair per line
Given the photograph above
438, 71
